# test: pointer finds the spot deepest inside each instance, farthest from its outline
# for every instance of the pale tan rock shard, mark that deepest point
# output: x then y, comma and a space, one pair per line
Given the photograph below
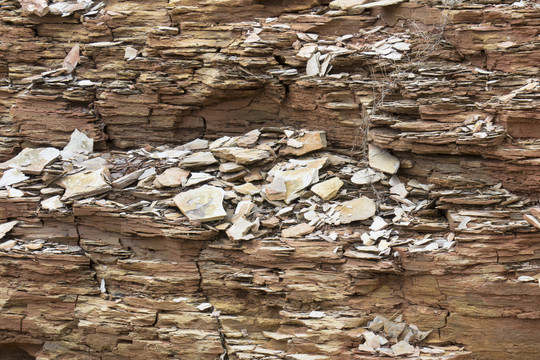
84, 184
79, 143
365, 176
382, 160
32, 161
241, 155
328, 189
303, 174
52, 203
230, 167
38, 7
311, 141
240, 228
172, 177
203, 158
203, 204
197, 178
247, 189
402, 348
12, 176
276, 190
249, 139
355, 210
6, 227
297, 230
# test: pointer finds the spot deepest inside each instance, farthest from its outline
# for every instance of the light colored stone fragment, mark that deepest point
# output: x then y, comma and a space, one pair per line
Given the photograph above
52, 203
203, 158
197, 178
240, 228
203, 204
378, 223
241, 155
130, 53
247, 189
78, 144
84, 184
15, 193
6, 227
32, 161
172, 177
243, 209
12, 176
311, 141
313, 66
249, 139
365, 176
371, 339
328, 189
230, 167
382, 160
276, 190
302, 173
38, 7
297, 230
6, 245
356, 210
197, 144
127, 180
402, 348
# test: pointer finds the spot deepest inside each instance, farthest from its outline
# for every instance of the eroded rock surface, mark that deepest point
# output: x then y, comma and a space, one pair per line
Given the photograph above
449, 88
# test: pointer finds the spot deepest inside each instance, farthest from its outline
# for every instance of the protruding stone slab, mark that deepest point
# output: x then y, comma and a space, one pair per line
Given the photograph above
12, 176
365, 176
298, 230
78, 144
328, 189
240, 229
382, 160
52, 203
32, 161
355, 210
202, 204
172, 177
6, 227
311, 141
241, 155
203, 158
84, 184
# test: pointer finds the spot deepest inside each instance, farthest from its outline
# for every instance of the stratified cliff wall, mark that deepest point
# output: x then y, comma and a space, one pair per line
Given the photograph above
450, 87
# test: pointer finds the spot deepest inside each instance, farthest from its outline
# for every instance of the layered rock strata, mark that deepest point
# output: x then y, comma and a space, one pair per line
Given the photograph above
450, 87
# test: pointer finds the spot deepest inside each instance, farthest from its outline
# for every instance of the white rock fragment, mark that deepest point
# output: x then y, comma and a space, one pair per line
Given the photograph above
6, 227
328, 189
378, 223
32, 161
203, 158
402, 348
382, 160
15, 193
172, 177
525, 278
52, 203
78, 144
12, 176
365, 176
240, 228
130, 53
204, 306
358, 209
313, 67
203, 204
197, 178
84, 183
102, 286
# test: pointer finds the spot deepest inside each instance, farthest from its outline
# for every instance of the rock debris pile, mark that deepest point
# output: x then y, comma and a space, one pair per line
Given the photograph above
270, 182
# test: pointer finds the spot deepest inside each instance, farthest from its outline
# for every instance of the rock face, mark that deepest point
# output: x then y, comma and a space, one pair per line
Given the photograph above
447, 90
